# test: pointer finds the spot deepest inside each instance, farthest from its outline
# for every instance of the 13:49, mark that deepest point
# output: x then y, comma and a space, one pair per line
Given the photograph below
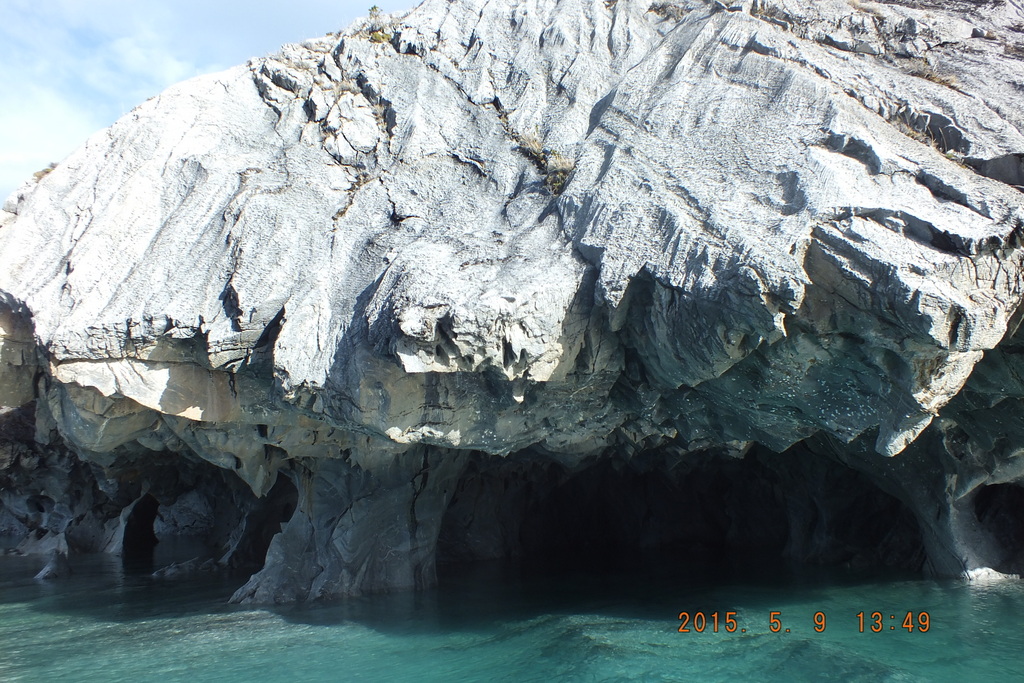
876, 620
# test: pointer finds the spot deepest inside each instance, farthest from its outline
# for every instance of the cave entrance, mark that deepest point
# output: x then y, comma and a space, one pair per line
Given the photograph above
263, 523
1000, 510
139, 539
613, 514
697, 509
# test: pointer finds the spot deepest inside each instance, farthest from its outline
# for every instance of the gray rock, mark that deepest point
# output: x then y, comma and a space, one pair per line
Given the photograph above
984, 576
191, 515
573, 232
57, 567
186, 570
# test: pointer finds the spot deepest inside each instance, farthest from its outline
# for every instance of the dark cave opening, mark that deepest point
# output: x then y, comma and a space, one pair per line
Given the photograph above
703, 509
139, 539
1000, 510
263, 523
611, 511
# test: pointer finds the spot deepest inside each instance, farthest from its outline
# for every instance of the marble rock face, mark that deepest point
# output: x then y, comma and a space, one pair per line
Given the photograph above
488, 278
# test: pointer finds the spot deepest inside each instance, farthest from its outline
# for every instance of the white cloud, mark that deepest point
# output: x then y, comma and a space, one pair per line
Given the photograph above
45, 128
73, 67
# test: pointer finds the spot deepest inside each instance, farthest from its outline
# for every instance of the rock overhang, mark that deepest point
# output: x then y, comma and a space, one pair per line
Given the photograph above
346, 252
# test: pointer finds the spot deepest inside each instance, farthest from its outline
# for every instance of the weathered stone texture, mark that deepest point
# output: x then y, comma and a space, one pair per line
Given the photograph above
573, 232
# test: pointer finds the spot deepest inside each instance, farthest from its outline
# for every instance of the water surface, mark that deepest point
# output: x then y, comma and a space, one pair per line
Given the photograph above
499, 622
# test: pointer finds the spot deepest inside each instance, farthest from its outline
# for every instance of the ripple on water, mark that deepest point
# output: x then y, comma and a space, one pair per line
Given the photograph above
499, 625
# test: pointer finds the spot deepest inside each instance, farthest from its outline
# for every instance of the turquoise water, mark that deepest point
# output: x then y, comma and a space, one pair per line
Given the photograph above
495, 622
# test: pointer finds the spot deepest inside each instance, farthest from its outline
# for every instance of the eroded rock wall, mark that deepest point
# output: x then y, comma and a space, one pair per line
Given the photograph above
579, 231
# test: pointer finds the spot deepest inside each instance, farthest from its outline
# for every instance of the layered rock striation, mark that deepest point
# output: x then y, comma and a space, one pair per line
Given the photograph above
498, 278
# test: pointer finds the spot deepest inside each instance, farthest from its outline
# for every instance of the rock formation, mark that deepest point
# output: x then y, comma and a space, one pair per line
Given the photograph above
498, 278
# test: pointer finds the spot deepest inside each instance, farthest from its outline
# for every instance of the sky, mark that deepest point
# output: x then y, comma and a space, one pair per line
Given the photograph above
69, 68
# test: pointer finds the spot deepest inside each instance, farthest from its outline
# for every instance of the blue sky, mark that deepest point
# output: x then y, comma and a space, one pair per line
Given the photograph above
71, 67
